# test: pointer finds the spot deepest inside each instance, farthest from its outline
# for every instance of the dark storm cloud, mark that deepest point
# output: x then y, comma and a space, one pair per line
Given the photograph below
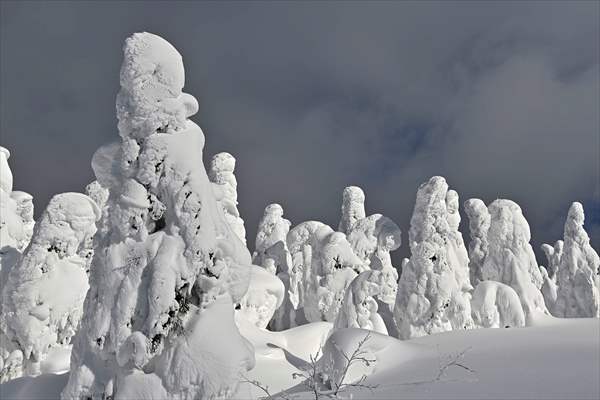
500, 98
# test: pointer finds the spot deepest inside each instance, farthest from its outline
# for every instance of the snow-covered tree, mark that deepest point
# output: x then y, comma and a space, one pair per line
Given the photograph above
272, 254
159, 316
16, 214
324, 265
372, 239
221, 174
43, 296
479, 224
579, 270
549, 286
510, 259
433, 292
359, 308
271, 240
353, 208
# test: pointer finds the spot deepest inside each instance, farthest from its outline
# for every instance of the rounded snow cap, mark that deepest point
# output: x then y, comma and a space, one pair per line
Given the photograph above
134, 194
353, 193
5, 151
74, 206
274, 209
20, 196
223, 162
148, 55
576, 213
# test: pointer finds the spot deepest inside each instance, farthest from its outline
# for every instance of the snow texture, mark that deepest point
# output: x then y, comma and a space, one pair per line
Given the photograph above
221, 175
434, 288
510, 258
43, 296
479, 225
577, 276
353, 208
159, 311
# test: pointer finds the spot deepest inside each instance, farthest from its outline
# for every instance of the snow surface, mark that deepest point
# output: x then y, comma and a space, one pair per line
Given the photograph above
557, 359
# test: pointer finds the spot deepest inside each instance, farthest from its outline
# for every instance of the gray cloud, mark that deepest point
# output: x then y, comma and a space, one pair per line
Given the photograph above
501, 98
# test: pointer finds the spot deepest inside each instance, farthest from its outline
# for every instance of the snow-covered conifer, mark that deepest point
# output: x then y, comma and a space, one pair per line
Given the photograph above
479, 224
353, 208
221, 174
359, 307
43, 296
579, 270
433, 292
510, 259
169, 267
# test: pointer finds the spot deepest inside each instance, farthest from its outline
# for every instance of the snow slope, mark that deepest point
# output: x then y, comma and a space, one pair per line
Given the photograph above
557, 359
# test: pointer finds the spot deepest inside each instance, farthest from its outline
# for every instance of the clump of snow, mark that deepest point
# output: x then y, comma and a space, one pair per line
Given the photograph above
43, 296
221, 174
479, 225
510, 258
496, 305
578, 271
353, 208
98, 193
434, 288
170, 266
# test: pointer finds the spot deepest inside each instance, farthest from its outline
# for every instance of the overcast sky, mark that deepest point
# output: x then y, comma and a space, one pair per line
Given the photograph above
502, 99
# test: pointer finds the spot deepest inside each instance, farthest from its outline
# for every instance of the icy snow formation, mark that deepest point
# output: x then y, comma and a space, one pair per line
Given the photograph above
577, 275
353, 208
159, 317
43, 296
359, 308
433, 292
496, 305
479, 224
324, 265
221, 174
510, 258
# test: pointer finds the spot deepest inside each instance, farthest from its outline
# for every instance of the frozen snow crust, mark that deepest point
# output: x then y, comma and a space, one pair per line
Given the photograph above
176, 308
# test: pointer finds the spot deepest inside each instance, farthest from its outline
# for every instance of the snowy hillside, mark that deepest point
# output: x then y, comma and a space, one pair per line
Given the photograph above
145, 287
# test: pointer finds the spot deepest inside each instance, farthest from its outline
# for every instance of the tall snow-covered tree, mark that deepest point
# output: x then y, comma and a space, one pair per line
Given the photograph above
353, 208
510, 259
159, 315
221, 174
579, 270
433, 292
